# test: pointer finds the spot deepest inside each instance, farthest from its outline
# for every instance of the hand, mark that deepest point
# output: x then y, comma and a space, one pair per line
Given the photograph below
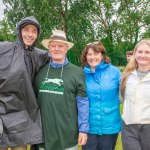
82, 139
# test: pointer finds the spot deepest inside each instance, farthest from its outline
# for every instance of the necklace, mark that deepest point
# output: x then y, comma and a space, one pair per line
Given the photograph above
49, 69
141, 74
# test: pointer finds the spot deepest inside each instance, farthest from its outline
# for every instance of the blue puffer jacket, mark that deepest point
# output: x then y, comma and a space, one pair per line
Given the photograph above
103, 93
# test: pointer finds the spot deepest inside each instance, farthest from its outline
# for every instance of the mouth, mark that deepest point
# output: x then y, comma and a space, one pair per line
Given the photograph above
143, 59
29, 39
93, 60
56, 53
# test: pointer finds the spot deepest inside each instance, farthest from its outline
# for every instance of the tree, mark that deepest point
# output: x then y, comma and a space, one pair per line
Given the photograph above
5, 32
118, 24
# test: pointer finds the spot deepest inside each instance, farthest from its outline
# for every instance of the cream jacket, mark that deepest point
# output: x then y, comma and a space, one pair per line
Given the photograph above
137, 100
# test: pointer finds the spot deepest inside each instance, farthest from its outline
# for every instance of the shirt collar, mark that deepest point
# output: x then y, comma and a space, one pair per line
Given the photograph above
55, 65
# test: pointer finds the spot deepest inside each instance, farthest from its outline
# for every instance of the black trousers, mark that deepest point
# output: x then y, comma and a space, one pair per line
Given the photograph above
136, 136
101, 142
34, 147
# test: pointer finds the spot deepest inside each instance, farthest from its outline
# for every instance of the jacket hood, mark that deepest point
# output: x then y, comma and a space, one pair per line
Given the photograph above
24, 22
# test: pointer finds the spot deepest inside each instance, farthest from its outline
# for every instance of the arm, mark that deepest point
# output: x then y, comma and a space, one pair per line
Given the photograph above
83, 116
43, 57
1, 128
120, 97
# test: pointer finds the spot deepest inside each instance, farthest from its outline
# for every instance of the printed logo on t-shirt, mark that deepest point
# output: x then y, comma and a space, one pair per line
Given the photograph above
54, 86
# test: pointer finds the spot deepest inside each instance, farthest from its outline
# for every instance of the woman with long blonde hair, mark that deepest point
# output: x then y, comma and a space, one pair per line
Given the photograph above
135, 91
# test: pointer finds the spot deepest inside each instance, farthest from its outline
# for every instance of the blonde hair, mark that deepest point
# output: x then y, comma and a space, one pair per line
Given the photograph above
132, 65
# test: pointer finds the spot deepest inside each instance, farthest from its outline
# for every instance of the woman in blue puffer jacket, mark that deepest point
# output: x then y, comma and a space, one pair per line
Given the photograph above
102, 83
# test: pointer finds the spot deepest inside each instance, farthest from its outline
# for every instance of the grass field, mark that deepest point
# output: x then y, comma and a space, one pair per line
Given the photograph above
119, 144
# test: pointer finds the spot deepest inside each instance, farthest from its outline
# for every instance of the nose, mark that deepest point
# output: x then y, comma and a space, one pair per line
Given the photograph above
30, 33
92, 56
143, 54
56, 48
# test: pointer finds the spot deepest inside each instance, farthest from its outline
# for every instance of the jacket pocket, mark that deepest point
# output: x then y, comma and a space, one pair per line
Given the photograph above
110, 110
16, 122
112, 115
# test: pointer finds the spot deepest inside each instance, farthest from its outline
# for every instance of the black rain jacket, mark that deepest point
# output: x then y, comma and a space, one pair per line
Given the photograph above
20, 121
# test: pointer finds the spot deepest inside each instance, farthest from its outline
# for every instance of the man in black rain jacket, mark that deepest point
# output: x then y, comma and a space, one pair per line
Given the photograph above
20, 122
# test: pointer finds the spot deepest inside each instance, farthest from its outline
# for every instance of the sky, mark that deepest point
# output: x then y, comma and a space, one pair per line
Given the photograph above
1, 10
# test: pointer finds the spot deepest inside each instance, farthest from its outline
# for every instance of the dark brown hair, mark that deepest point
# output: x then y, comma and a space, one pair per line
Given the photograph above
129, 53
98, 47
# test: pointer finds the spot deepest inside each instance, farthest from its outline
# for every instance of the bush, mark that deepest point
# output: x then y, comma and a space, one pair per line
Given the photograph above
122, 68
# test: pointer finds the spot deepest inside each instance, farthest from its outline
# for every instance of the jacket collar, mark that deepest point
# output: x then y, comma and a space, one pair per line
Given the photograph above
54, 65
146, 78
102, 65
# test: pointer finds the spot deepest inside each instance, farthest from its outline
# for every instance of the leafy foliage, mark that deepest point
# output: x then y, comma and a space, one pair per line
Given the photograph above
119, 24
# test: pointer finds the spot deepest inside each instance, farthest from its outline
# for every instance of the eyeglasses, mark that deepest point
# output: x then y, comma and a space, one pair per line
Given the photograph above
93, 43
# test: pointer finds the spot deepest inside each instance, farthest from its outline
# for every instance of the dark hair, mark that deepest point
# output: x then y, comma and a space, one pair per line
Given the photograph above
98, 47
129, 53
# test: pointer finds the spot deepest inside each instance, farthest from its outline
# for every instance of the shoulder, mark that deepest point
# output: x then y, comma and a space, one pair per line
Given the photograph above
74, 71
114, 71
42, 71
74, 67
42, 55
6, 43
6, 46
114, 68
40, 51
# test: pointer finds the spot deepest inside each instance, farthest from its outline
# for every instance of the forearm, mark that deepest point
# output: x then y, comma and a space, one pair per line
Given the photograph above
83, 114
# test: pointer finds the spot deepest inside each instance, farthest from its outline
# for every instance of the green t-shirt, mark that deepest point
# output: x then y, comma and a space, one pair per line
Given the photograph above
57, 101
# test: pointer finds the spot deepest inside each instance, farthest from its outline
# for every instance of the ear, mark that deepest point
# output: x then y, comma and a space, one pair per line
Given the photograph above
67, 48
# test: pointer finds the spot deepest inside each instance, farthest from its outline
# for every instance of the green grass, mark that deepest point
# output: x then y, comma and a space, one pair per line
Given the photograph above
119, 143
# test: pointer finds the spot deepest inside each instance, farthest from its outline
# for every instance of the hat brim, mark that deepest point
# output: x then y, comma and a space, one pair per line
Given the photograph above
30, 23
45, 43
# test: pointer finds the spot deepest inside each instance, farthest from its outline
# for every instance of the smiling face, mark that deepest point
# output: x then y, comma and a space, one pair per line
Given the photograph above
58, 51
142, 56
29, 34
94, 58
